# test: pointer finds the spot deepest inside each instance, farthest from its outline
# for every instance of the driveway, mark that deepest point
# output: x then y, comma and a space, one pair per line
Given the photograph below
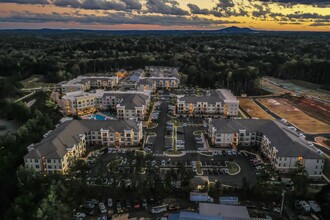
190, 142
160, 130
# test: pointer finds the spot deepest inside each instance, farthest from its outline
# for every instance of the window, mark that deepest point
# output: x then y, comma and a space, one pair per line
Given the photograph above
37, 166
50, 167
316, 167
49, 160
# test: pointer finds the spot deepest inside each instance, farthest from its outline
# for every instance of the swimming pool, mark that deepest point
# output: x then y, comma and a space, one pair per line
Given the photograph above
97, 117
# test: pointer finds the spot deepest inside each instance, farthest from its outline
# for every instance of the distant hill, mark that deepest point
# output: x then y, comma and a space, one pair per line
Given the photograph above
234, 29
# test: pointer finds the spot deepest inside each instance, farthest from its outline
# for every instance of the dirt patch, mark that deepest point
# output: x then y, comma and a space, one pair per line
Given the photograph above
323, 141
294, 115
317, 109
252, 109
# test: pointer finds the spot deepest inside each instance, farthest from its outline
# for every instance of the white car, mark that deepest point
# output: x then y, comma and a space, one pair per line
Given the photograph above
102, 208
80, 215
214, 153
193, 163
229, 153
163, 163
109, 202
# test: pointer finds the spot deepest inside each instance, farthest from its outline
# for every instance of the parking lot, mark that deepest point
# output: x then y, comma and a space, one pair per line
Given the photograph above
159, 142
190, 139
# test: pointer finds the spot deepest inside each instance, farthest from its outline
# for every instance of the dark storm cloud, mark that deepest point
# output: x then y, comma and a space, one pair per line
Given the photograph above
168, 7
34, 2
133, 4
123, 5
225, 4
114, 18
227, 9
194, 9
103, 5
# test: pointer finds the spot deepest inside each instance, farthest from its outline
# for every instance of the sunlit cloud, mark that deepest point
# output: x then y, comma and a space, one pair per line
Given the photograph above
193, 14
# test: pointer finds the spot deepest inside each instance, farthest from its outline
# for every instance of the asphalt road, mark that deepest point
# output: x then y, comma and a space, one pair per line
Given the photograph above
160, 130
190, 142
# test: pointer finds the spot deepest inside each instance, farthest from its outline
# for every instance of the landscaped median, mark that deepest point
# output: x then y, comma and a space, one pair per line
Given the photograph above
233, 168
173, 153
199, 132
199, 168
206, 153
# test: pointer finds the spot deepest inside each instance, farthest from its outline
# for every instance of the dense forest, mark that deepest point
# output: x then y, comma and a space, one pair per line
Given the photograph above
233, 61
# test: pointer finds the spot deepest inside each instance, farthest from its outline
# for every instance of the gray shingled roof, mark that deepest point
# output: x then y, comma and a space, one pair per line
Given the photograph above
67, 135
145, 81
195, 99
286, 142
134, 100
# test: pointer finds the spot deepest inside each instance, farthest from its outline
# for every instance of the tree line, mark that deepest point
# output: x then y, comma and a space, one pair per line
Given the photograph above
235, 62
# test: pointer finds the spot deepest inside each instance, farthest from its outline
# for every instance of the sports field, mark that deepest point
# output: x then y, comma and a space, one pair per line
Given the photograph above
290, 112
252, 109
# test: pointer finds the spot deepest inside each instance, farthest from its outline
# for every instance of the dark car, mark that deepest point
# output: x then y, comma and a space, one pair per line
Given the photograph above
128, 204
137, 204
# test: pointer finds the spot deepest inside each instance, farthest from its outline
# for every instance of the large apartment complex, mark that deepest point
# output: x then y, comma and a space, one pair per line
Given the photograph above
282, 146
129, 104
84, 83
57, 151
213, 104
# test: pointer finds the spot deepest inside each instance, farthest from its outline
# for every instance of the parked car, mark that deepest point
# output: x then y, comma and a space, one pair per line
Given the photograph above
136, 204
102, 208
144, 203
79, 215
109, 202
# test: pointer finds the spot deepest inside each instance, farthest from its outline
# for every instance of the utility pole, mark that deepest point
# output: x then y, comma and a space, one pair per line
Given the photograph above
282, 204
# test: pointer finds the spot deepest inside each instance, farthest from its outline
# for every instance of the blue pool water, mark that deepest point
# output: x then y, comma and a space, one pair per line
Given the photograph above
97, 117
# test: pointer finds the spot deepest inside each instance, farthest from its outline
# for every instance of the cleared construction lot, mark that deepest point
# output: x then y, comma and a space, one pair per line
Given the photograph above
252, 109
293, 114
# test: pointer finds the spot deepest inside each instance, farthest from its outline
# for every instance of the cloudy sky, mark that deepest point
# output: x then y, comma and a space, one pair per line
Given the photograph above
309, 15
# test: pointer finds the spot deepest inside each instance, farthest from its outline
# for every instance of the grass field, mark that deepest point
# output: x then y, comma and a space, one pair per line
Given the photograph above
294, 115
35, 81
252, 109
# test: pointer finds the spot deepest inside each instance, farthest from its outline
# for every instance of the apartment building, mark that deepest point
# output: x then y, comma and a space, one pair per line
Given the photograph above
128, 104
159, 77
214, 103
57, 151
282, 146
85, 83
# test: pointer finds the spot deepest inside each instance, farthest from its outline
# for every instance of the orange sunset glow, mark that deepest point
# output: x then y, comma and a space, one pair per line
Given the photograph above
295, 15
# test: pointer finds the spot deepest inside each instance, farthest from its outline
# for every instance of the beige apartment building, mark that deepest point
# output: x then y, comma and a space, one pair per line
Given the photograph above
282, 146
85, 83
57, 151
128, 104
215, 103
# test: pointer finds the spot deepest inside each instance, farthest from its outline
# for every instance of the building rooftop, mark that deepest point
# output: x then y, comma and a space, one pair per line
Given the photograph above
226, 211
162, 71
83, 79
285, 141
212, 97
67, 134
